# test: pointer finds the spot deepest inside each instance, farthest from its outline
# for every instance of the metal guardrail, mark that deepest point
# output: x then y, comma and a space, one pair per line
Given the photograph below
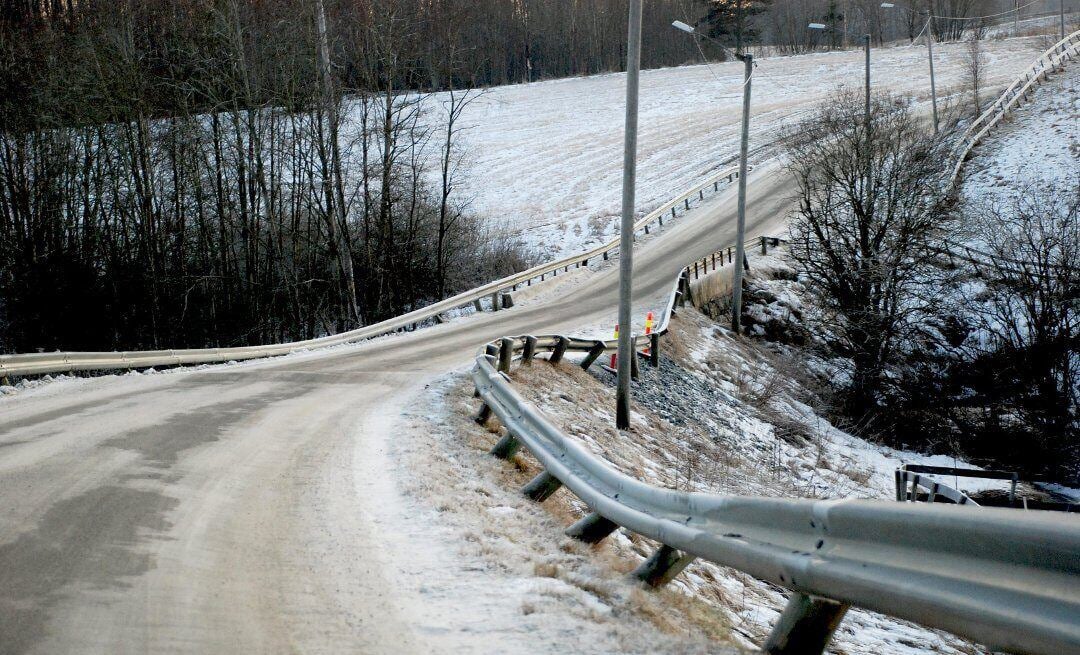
909, 483
1051, 60
1005, 579
58, 362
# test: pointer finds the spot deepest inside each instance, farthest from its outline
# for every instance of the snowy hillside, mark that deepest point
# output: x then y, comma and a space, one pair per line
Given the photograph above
1040, 142
548, 154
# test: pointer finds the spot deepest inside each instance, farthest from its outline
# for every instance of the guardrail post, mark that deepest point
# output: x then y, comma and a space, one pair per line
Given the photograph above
605, 255
933, 493
646, 228
541, 487
477, 306
484, 414
594, 354
695, 271
506, 447
714, 262
701, 194
529, 351
805, 626
592, 529
635, 371
673, 212
687, 203
654, 349
507, 301
764, 246
560, 350
495, 301
662, 566
5, 382
506, 354
913, 496
899, 479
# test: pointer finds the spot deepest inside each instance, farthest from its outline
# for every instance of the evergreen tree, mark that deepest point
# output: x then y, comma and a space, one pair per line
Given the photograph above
732, 20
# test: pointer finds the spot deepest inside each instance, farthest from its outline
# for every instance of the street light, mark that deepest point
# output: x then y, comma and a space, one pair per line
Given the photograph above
626, 226
744, 147
928, 28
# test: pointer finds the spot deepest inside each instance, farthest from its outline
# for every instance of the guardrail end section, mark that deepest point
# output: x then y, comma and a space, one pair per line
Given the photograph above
662, 566
592, 529
805, 626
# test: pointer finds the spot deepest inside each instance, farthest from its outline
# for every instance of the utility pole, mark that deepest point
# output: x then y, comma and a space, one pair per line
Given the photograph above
1061, 16
740, 247
869, 137
626, 227
930, 50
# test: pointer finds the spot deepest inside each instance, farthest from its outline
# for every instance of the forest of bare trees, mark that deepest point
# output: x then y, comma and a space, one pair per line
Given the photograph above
222, 172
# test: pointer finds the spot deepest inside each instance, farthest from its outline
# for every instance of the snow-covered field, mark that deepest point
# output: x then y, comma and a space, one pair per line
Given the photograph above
544, 159
1039, 143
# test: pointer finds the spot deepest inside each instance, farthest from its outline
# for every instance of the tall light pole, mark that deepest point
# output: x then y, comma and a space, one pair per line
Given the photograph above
929, 29
744, 147
626, 227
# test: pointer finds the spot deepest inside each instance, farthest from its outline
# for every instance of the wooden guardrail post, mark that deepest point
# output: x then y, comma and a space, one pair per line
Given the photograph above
764, 246
592, 529
654, 349
477, 306
529, 351
495, 301
635, 371
560, 350
662, 566
805, 626
594, 353
506, 354
507, 447
541, 487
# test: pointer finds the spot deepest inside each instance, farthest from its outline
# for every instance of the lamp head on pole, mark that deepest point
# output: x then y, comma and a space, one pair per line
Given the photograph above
679, 25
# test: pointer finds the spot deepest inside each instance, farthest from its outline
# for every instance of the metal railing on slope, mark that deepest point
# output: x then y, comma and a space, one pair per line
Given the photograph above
1051, 60
1007, 580
58, 362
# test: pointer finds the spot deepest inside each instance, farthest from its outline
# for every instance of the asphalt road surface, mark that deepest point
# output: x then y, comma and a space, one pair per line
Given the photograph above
224, 510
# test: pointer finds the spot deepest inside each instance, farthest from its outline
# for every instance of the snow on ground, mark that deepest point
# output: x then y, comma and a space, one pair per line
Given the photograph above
1039, 142
545, 158
721, 415
704, 422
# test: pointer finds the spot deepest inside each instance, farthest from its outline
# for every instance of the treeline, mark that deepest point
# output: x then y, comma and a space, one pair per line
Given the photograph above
206, 173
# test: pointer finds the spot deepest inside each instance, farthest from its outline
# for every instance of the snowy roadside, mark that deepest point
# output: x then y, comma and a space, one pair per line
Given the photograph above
721, 416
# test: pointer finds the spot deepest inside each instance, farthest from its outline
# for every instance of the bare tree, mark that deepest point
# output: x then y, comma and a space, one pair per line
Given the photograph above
974, 64
865, 245
1028, 309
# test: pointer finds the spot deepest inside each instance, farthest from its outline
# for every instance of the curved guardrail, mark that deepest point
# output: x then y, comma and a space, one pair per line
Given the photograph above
1053, 59
57, 362
1007, 580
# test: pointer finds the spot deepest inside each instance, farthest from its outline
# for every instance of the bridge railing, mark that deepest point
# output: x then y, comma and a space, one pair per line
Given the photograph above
1005, 579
